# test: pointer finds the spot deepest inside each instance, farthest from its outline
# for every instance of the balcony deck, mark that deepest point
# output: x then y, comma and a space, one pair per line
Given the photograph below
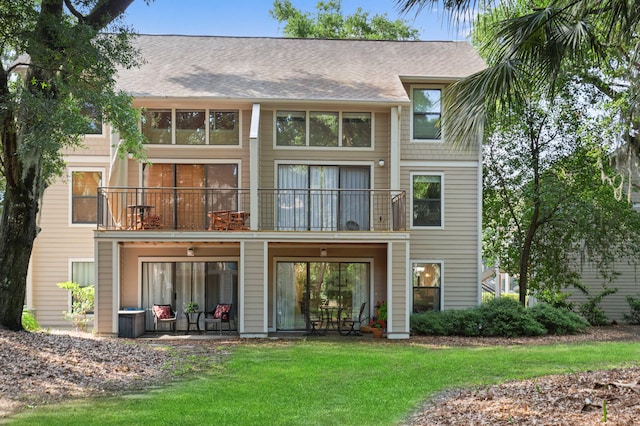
229, 210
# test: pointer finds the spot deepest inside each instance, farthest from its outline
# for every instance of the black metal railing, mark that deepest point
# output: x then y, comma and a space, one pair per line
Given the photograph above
331, 209
226, 209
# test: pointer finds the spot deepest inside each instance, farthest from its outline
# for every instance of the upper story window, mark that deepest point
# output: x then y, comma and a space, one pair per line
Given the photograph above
94, 119
84, 196
223, 128
188, 127
426, 114
323, 129
426, 200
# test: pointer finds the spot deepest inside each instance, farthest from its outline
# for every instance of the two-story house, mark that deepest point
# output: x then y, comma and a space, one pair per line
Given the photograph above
284, 175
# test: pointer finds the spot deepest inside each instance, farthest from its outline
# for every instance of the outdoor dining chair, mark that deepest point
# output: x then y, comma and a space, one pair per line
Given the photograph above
221, 314
164, 314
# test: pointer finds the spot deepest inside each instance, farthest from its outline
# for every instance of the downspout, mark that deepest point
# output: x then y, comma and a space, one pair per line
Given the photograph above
254, 166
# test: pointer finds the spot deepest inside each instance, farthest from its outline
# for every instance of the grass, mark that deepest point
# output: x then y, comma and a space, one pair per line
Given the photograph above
330, 383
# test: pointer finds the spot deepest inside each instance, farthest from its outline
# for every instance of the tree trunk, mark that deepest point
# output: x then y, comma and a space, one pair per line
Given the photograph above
17, 234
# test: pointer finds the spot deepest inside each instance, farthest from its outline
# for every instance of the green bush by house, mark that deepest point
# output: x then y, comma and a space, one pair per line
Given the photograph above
499, 317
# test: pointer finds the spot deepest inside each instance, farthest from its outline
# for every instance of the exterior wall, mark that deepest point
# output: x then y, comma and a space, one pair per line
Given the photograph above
58, 243
615, 305
252, 290
104, 318
457, 244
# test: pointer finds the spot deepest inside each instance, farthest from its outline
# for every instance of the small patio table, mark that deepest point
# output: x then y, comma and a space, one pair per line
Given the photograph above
190, 320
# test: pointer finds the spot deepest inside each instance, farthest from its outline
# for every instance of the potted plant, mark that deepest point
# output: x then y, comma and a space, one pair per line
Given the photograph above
377, 327
191, 307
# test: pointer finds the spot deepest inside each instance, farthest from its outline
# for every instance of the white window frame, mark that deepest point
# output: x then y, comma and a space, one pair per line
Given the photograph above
306, 146
425, 87
413, 262
207, 130
71, 261
72, 170
442, 203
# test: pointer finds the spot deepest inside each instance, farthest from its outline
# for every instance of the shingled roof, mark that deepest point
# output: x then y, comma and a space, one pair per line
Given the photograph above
260, 69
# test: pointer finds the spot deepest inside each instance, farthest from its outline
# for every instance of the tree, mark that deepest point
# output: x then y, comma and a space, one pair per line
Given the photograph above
330, 23
66, 53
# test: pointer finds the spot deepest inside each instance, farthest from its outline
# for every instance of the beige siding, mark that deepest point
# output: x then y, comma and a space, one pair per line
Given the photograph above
254, 288
614, 305
56, 245
93, 144
104, 288
398, 297
457, 244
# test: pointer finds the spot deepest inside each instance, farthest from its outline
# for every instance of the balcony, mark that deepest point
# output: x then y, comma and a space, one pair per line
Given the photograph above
208, 209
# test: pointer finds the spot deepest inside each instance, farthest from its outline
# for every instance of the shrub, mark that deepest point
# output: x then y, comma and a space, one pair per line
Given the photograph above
507, 317
634, 316
29, 321
430, 324
591, 310
82, 303
558, 321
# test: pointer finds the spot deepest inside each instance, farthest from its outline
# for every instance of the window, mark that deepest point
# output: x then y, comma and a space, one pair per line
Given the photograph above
323, 129
356, 129
190, 127
82, 273
427, 113
323, 198
426, 200
223, 128
84, 196
291, 128
157, 126
427, 280
94, 120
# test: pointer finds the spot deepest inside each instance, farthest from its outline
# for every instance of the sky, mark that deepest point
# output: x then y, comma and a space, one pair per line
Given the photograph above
251, 17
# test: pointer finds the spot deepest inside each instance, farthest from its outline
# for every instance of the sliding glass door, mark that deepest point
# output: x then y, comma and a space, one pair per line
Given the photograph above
323, 198
178, 283
302, 288
184, 194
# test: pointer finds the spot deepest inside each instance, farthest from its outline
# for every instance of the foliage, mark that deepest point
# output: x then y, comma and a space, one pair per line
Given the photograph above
381, 310
507, 317
82, 303
499, 317
330, 23
558, 321
58, 60
191, 307
634, 315
590, 310
29, 322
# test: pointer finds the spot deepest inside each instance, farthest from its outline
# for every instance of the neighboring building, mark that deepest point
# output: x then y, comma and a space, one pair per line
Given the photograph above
627, 270
283, 174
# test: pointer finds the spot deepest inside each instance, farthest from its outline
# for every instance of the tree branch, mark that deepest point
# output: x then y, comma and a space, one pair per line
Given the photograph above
105, 11
74, 11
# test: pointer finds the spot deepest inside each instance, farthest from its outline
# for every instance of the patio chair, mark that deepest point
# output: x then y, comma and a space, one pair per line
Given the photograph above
221, 314
347, 325
164, 314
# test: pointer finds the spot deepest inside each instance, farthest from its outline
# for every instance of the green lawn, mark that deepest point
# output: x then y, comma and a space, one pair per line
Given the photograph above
329, 383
